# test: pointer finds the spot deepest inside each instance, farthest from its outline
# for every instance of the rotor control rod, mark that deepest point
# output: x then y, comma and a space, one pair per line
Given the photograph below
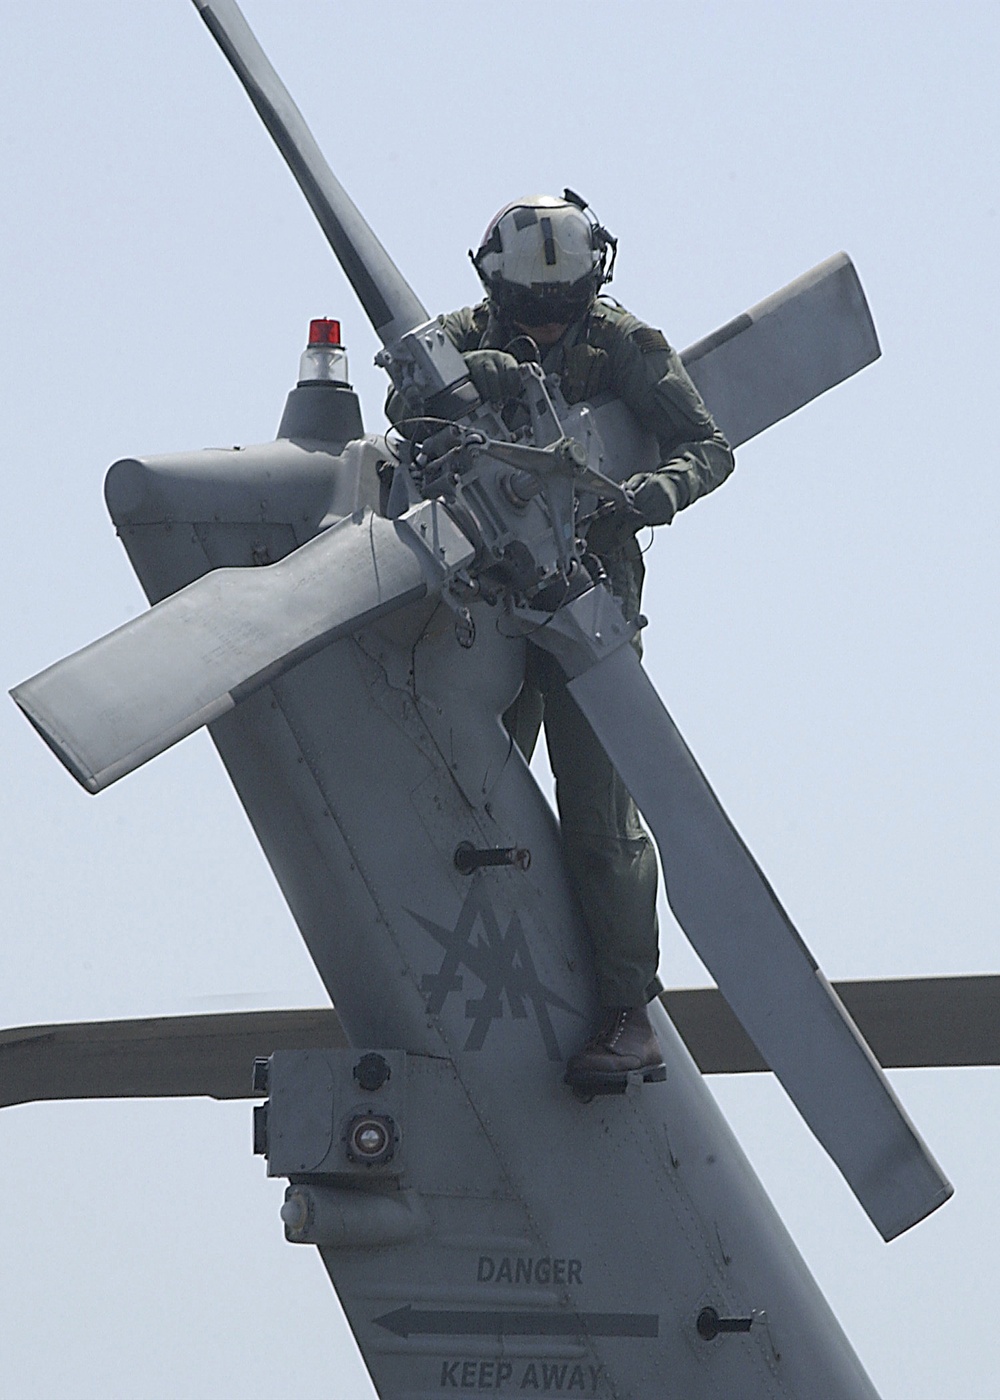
469, 858
521, 486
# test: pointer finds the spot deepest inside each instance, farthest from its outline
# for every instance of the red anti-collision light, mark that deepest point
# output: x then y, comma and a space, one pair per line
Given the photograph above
324, 332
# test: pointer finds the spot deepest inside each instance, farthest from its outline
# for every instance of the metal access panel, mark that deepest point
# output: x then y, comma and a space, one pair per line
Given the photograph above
336, 1113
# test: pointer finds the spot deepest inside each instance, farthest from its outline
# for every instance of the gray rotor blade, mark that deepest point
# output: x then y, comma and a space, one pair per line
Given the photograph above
758, 368
163, 1057
764, 970
391, 304
909, 1023
785, 351
122, 700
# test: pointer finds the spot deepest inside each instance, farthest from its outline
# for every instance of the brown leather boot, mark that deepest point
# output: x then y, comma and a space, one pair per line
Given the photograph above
625, 1041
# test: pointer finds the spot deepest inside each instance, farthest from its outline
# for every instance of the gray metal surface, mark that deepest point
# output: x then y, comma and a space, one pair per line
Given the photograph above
299, 486
485, 981
625, 446
321, 412
391, 304
314, 1098
764, 970
786, 350
125, 698
342, 1217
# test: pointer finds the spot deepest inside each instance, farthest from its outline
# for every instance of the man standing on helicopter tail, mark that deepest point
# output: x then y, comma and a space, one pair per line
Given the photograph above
542, 262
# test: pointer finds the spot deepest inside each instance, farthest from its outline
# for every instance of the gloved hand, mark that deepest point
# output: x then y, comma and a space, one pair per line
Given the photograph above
614, 525
655, 500
656, 497
494, 374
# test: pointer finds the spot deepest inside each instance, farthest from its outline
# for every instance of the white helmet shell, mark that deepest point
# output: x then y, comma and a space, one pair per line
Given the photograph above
543, 251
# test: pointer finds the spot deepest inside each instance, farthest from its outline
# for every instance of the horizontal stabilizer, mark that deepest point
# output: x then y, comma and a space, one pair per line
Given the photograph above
122, 700
785, 351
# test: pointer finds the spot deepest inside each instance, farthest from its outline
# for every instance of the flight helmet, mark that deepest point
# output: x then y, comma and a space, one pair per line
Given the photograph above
543, 260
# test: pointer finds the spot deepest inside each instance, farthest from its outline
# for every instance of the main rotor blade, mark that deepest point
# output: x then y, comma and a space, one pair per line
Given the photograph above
122, 700
162, 1057
764, 970
391, 304
909, 1022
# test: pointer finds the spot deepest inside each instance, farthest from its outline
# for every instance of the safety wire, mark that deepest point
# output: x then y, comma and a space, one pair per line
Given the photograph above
531, 632
391, 446
397, 428
423, 418
512, 636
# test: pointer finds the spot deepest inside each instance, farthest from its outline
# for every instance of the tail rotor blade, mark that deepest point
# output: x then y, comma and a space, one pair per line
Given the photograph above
122, 700
391, 304
762, 967
785, 351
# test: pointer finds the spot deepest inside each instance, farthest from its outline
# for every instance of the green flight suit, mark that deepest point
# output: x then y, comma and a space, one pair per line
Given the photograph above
609, 854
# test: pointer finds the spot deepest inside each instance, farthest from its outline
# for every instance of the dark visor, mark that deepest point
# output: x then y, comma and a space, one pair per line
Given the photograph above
543, 305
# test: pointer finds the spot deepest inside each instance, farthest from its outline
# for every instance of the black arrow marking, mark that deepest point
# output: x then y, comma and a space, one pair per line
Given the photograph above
406, 1320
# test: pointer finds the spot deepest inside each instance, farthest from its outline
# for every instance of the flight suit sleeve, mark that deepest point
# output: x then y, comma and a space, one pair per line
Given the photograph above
647, 374
464, 328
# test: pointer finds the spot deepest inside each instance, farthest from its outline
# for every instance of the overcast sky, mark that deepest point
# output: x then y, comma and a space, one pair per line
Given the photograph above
823, 629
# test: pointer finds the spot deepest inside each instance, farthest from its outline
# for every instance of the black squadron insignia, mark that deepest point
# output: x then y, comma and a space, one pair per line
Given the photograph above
501, 961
